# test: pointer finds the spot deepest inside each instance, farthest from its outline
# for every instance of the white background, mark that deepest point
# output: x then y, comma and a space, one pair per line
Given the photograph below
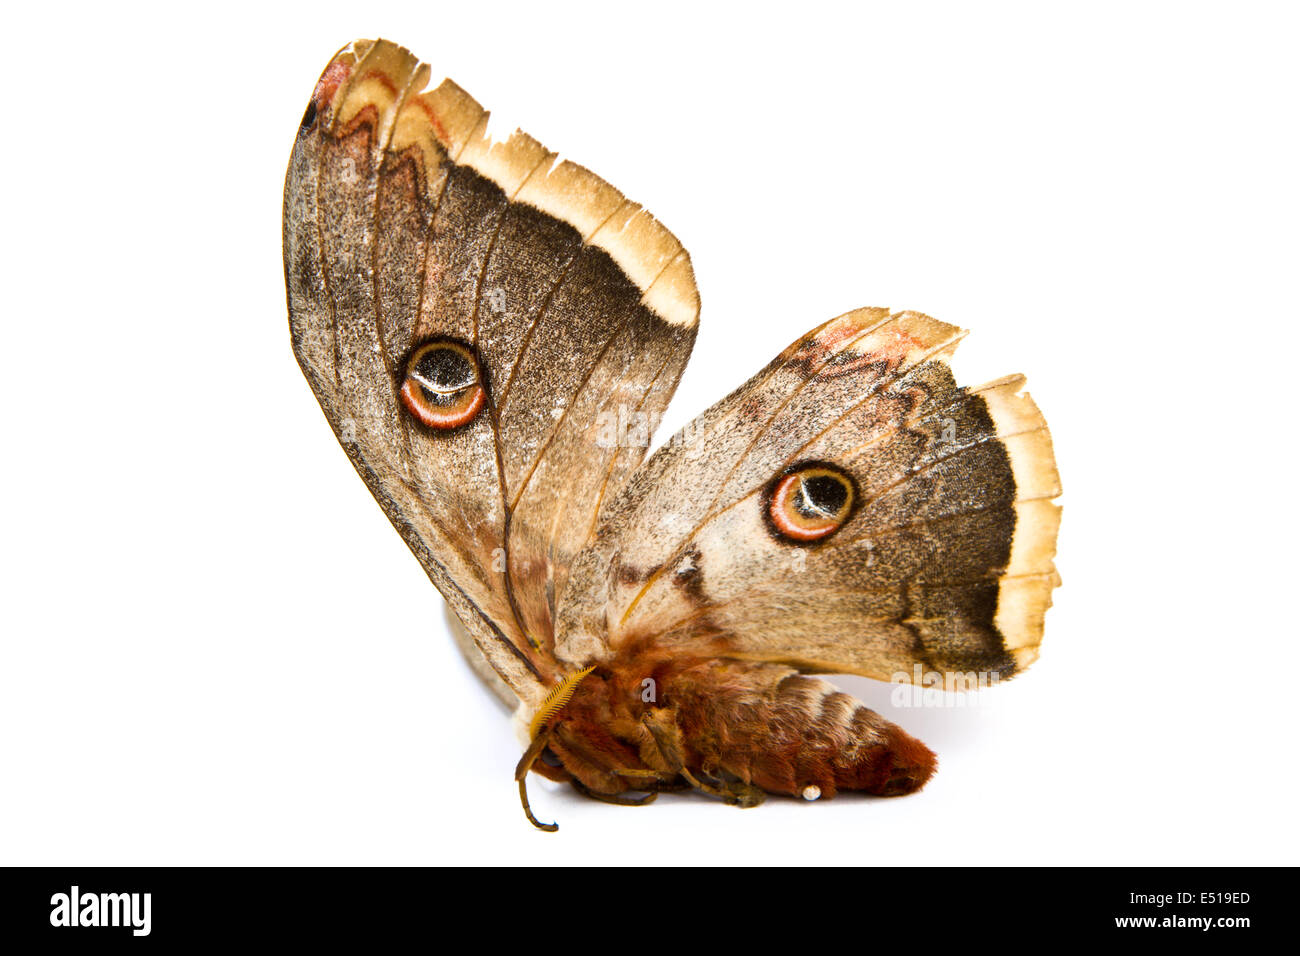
216, 649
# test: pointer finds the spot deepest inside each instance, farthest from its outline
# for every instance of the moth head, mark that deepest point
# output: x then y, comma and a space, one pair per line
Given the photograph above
442, 387
539, 731
809, 502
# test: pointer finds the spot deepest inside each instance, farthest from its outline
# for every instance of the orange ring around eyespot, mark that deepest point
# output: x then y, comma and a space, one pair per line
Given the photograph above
801, 530
442, 416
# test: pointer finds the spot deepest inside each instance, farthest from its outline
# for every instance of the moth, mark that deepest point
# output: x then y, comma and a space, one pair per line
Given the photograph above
485, 325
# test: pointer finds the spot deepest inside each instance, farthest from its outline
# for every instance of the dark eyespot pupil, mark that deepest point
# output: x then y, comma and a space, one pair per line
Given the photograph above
309, 117
445, 370
821, 496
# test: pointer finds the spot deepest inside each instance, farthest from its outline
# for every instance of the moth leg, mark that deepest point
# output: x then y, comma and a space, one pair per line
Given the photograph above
636, 773
521, 775
618, 799
667, 740
737, 793
528, 811
652, 780
603, 776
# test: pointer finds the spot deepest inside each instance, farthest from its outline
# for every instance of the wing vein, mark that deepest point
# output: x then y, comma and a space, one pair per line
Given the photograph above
546, 304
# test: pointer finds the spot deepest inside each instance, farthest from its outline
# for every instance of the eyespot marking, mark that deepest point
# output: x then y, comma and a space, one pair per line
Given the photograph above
443, 387
810, 502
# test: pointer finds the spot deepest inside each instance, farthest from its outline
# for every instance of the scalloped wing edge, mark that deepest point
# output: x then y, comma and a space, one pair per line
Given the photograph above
384, 76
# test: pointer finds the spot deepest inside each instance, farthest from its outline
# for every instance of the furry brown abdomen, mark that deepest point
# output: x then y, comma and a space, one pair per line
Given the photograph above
770, 726
733, 729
